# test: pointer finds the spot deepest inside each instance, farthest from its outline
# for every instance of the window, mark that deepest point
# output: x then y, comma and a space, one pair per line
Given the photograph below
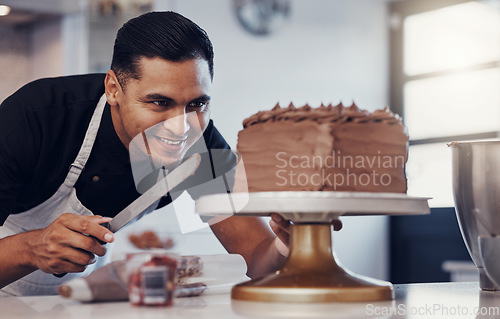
445, 82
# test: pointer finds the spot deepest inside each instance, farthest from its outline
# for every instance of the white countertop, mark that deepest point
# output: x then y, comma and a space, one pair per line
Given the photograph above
433, 300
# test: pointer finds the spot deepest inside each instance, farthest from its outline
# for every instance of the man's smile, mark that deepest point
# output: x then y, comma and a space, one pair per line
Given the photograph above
171, 145
171, 141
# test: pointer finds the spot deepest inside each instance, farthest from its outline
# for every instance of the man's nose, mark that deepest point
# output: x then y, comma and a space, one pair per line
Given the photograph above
178, 124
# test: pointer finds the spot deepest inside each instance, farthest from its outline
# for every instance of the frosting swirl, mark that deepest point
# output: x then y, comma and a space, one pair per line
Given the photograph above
323, 114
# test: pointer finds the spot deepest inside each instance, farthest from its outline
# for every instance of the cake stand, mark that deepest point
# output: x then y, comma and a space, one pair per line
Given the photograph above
311, 272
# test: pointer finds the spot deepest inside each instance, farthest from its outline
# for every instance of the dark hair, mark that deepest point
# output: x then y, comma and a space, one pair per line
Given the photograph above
167, 35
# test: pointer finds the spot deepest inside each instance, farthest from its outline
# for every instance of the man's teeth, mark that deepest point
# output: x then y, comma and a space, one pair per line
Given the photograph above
170, 141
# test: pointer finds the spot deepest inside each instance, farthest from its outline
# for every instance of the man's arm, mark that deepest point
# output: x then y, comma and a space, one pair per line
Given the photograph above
63, 246
264, 251
14, 258
254, 240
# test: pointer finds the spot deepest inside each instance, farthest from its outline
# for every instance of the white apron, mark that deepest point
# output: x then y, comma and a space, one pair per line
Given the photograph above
63, 201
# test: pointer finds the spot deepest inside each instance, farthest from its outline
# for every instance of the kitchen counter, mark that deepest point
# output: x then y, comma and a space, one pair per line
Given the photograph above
430, 300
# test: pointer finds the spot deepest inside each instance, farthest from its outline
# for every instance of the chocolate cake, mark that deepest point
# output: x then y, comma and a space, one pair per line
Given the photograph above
328, 148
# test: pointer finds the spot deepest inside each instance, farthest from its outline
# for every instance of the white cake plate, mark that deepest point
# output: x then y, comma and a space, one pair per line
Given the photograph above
311, 273
308, 207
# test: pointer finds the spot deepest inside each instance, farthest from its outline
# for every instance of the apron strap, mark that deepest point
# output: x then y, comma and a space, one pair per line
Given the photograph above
83, 155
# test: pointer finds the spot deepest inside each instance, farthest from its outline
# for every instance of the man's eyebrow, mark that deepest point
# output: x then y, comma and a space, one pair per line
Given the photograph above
204, 97
158, 96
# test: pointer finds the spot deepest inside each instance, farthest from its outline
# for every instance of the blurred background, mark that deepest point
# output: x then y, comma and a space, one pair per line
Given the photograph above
434, 62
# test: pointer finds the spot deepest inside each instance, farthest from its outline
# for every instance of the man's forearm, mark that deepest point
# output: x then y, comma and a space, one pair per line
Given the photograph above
14, 258
265, 259
252, 238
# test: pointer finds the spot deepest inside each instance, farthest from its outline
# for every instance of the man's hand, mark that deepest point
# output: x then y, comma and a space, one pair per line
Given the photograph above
67, 245
281, 227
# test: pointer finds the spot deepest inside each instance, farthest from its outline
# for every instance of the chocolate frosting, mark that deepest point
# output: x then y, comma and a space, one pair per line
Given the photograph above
323, 114
273, 143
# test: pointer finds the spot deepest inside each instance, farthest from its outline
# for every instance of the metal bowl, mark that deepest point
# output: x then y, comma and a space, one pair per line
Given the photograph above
476, 189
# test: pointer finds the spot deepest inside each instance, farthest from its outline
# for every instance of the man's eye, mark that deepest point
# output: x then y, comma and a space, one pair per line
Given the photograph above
199, 106
161, 103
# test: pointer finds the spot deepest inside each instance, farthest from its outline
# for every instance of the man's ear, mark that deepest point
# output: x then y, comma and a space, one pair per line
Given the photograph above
112, 88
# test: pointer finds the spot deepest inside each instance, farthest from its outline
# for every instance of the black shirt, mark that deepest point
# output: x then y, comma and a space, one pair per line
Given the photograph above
42, 127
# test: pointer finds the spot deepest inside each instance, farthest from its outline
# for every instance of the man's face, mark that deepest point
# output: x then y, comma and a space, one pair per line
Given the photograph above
167, 108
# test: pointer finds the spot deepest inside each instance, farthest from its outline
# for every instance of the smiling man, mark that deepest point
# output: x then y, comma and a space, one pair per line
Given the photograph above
64, 154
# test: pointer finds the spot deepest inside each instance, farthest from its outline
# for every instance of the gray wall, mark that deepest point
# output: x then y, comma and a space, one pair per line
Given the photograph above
14, 59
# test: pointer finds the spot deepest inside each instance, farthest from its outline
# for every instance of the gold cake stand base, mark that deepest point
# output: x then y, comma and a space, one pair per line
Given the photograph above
311, 274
